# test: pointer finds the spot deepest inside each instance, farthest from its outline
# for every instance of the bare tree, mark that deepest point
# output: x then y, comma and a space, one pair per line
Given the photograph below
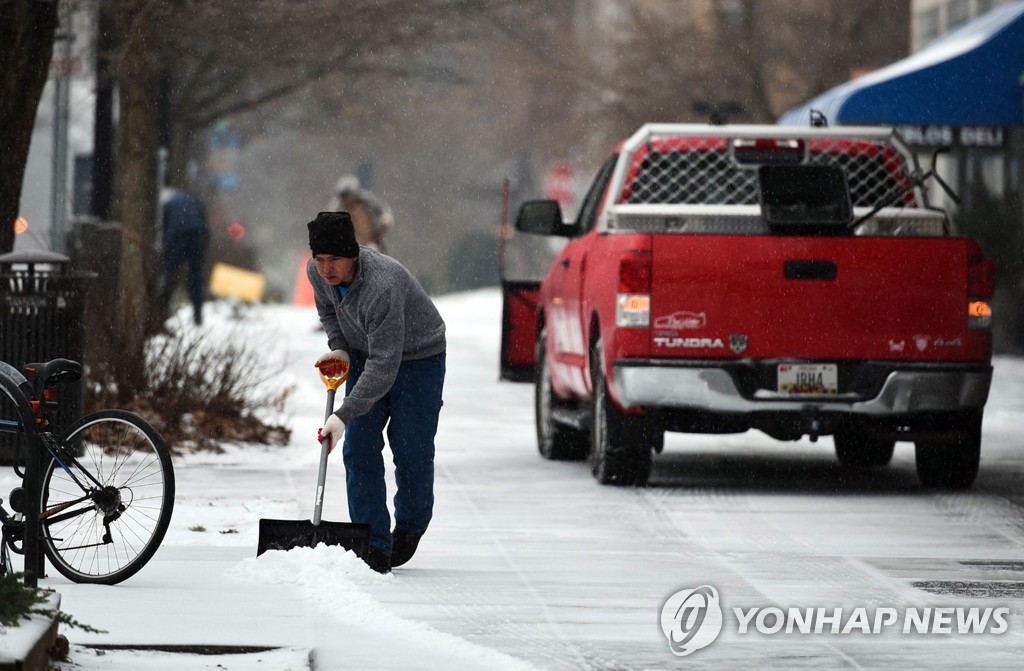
185, 65
537, 80
235, 56
737, 60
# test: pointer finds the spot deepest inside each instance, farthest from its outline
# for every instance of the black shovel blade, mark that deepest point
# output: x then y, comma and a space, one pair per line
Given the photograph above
288, 534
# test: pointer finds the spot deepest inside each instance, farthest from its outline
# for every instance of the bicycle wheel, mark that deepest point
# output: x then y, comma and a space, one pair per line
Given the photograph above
104, 517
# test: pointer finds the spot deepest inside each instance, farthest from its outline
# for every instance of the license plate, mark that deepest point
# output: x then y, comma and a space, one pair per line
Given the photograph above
808, 378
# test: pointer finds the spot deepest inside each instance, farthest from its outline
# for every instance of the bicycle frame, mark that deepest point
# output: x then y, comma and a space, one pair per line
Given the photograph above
60, 455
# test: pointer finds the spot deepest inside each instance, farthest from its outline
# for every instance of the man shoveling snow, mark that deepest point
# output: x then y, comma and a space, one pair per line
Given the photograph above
380, 320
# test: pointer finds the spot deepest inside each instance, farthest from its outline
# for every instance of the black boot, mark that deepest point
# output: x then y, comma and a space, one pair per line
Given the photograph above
378, 561
404, 545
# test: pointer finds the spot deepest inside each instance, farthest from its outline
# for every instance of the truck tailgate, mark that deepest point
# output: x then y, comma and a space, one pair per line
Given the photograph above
820, 298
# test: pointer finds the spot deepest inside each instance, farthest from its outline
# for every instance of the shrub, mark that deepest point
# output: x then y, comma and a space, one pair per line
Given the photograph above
203, 389
18, 602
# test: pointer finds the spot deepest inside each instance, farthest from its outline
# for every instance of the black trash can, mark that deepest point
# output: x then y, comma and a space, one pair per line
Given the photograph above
41, 318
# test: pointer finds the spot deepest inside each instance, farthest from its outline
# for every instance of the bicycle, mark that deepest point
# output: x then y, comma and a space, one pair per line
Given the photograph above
107, 490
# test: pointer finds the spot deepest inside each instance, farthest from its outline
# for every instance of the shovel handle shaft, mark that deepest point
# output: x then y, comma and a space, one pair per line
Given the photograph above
330, 404
321, 478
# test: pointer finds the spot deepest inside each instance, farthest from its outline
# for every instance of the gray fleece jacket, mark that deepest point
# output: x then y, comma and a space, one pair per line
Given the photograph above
387, 315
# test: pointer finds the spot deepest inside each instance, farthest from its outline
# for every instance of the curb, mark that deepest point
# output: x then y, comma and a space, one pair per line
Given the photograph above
27, 646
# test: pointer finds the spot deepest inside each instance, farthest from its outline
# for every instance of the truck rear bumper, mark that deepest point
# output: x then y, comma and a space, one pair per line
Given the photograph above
917, 389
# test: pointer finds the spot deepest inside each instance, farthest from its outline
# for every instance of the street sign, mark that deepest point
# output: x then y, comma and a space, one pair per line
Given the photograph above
560, 184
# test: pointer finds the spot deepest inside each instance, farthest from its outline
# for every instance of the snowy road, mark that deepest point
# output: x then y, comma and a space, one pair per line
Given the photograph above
530, 563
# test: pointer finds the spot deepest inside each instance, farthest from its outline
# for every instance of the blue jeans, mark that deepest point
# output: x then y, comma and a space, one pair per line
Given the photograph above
188, 247
409, 411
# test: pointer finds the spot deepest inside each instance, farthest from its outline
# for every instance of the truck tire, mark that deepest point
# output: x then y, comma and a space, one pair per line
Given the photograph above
620, 445
858, 450
951, 461
554, 441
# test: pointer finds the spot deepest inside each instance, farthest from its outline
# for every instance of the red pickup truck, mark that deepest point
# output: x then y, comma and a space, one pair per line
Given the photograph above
725, 278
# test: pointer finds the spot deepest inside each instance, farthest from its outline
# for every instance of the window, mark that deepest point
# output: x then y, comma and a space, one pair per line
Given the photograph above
591, 205
926, 28
983, 6
957, 12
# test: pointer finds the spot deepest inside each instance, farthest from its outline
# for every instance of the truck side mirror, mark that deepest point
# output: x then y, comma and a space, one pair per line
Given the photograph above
544, 217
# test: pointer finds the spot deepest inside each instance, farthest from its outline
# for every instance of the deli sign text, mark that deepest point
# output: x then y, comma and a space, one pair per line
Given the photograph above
953, 136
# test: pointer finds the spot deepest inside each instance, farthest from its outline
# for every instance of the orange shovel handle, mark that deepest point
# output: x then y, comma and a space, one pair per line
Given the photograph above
333, 373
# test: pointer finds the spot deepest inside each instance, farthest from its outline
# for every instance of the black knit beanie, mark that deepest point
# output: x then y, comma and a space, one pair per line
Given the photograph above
332, 233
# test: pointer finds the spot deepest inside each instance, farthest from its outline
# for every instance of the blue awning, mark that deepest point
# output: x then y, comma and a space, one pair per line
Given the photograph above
969, 77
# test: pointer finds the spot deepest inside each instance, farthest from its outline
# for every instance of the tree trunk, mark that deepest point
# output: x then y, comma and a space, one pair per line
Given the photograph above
27, 29
183, 138
137, 175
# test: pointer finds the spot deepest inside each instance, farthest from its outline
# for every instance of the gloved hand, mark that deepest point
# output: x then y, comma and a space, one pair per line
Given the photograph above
339, 354
333, 430
334, 363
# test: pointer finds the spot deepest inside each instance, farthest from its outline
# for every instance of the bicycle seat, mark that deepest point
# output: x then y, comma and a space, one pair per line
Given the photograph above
54, 372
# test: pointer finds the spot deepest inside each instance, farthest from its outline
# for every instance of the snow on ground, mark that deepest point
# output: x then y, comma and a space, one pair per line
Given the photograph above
308, 597
531, 564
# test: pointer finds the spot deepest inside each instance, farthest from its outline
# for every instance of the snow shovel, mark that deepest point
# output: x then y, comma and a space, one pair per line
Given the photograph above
288, 534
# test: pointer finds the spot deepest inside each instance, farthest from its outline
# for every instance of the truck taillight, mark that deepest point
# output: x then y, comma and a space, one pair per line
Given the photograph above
633, 301
979, 315
981, 284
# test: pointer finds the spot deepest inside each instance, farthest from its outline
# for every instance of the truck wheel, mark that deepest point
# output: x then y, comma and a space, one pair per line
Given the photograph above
620, 445
951, 461
858, 450
554, 441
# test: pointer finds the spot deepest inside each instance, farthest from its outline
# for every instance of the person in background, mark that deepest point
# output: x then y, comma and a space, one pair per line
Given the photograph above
379, 319
186, 237
371, 216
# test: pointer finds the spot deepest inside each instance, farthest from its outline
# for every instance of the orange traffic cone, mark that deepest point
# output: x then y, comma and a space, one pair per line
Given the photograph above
303, 289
